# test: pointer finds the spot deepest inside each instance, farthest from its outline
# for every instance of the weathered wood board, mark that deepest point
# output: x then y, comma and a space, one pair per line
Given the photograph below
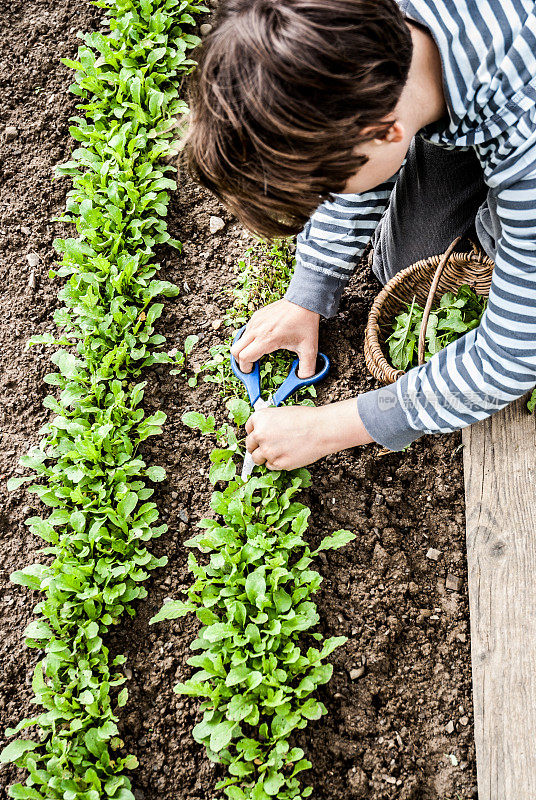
500, 491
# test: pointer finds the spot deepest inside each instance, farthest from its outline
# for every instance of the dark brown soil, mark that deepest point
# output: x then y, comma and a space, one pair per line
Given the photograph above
386, 733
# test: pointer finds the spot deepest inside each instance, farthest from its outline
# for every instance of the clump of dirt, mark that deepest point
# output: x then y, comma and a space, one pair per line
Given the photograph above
399, 723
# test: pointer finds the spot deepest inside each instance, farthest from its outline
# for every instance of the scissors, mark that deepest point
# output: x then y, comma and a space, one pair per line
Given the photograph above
291, 384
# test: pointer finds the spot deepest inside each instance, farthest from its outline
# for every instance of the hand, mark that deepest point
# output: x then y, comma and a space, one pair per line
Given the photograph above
294, 436
280, 326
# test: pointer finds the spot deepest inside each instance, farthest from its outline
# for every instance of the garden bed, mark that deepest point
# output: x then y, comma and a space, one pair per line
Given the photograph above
399, 722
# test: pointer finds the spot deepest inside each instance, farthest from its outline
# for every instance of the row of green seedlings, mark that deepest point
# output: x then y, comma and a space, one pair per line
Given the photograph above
257, 666
89, 471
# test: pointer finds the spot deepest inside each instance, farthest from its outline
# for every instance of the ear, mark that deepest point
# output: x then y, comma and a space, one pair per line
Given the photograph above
395, 133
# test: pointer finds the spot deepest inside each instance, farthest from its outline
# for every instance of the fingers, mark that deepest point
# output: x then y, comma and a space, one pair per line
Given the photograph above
251, 442
307, 367
253, 352
245, 366
253, 445
252, 345
258, 457
247, 337
256, 452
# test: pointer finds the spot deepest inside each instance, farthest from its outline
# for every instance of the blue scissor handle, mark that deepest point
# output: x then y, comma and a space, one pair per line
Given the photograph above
293, 383
251, 380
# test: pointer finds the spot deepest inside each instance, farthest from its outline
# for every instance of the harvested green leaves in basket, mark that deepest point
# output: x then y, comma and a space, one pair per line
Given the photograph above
456, 315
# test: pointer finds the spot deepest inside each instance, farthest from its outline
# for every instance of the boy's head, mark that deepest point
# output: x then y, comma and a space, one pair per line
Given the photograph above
284, 91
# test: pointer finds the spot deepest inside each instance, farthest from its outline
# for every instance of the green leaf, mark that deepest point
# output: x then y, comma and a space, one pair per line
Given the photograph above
237, 675
66, 363
273, 783
122, 697
312, 709
222, 735
193, 419
336, 540
127, 505
29, 576
223, 471
402, 341
135, 90
256, 587
235, 793
78, 521
332, 644
14, 483
156, 474
131, 762
240, 410
239, 708
189, 343
172, 610
14, 750
94, 742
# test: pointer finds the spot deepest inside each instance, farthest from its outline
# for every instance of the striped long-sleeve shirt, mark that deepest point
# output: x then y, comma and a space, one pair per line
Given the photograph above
488, 54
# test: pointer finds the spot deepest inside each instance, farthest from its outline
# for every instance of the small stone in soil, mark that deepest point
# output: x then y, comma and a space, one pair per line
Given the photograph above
205, 28
461, 637
389, 779
357, 673
31, 280
216, 324
449, 727
11, 133
453, 582
464, 721
32, 259
26, 231
433, 554
183, 515
216, 224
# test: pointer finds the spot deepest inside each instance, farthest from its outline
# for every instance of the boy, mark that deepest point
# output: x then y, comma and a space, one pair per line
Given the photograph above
408, 122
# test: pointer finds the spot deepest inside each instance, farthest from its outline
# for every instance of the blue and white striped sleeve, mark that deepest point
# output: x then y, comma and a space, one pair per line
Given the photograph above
487, 368
330, 246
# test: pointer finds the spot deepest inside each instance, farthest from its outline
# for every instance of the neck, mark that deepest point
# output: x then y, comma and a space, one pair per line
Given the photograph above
423, 100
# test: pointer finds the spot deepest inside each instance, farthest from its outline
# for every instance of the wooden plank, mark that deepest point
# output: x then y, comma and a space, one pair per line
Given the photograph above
500, 491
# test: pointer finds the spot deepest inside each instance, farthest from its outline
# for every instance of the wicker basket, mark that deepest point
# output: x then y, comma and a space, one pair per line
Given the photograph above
423, 280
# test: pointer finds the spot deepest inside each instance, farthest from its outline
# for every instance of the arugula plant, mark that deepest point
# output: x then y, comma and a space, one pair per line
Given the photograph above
252, 595
88, 471
456, 315
262, 277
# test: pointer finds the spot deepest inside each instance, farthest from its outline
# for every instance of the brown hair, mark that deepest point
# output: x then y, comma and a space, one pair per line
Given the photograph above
281, 95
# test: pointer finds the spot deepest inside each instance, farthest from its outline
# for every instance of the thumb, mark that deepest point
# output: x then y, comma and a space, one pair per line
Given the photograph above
307, 367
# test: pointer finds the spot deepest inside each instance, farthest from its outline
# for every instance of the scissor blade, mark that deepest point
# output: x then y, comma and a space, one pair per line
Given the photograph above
247, 466
263, 403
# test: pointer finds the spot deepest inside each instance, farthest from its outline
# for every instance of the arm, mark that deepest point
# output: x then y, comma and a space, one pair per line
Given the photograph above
487, 368
330, 246
471, 379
